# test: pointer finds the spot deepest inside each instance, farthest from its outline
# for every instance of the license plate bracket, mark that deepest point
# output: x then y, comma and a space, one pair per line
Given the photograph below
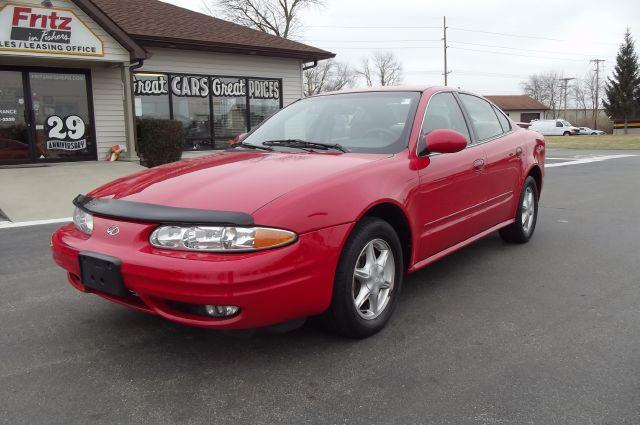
102, 272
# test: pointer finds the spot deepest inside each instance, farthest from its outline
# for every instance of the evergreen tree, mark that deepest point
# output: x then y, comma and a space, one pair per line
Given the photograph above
622, 92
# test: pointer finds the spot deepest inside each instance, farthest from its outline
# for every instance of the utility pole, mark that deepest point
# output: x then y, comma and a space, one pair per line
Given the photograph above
444, 40
597, 105
565, 85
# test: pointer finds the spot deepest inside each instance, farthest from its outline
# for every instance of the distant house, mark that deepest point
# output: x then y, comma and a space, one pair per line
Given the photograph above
520, 108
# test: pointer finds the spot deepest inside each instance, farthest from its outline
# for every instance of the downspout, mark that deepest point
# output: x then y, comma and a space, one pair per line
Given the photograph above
137, 65
304, 68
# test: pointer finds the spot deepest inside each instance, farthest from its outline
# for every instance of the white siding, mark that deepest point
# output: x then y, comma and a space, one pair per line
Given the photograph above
113, 51
210, 63
108, 108
514, 115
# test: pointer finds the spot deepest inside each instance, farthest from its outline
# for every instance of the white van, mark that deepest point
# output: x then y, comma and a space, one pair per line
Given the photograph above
554, 127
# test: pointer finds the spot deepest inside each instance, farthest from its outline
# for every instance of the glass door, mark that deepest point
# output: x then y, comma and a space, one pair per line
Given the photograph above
61, 115
14, 131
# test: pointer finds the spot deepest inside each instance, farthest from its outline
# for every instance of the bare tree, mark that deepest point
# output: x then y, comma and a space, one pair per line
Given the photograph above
591, 86
277, 17
580, 97
547, 89
365, 72
382, 68
329, 75
534, 88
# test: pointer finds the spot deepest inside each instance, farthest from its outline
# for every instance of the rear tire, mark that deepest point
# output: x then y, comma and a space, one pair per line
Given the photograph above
526, 218
367, 282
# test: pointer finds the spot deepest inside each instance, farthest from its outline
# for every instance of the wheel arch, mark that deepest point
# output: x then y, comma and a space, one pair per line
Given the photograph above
536, 172
397, 218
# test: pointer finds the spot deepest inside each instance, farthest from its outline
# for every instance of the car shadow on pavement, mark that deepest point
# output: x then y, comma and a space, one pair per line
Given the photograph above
451, 274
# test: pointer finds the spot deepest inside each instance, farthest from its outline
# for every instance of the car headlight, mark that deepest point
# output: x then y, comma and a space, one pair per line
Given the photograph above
219, 239
83, 221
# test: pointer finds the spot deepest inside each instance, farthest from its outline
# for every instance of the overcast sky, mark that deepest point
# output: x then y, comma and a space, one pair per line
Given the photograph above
537, 37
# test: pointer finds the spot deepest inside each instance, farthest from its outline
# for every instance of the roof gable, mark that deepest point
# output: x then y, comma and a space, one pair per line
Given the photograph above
135, 50
517, 102
155, 23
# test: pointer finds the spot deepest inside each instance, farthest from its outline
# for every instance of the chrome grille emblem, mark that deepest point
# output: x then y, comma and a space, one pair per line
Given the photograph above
113, 230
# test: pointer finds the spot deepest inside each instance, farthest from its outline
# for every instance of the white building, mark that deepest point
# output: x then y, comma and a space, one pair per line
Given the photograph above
520, 108
74, 74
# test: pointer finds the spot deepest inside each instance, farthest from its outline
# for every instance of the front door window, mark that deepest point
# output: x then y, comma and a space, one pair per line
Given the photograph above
14, 136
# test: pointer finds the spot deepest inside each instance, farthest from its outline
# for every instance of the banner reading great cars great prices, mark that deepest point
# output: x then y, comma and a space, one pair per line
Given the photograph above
44, 30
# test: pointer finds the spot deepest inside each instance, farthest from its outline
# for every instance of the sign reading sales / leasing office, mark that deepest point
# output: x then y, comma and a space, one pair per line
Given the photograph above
46, 30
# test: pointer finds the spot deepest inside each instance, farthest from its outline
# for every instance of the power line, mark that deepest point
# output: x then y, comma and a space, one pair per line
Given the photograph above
438, 40
381, 47
400, 27
524, 50
521, 35
372, 27
517, 54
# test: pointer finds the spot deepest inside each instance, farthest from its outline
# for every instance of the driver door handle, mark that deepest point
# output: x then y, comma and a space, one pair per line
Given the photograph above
478, 164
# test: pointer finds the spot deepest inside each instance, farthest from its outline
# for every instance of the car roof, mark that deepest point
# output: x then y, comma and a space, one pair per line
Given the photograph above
401, 88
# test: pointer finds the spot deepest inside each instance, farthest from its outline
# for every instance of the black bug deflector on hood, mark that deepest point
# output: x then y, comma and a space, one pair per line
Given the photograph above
150, 213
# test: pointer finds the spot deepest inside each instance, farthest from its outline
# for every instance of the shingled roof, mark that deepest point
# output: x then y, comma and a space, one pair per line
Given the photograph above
517, 103
155, 23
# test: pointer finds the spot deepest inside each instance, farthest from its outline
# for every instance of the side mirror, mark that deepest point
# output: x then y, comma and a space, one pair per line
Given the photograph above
239, 138
444, 141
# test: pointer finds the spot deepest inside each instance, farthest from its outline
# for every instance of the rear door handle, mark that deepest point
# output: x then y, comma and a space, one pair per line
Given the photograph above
518, 152
478, 164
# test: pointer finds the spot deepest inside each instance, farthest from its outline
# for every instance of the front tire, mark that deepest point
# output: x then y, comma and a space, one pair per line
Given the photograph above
367, 281
566, 133
522, 229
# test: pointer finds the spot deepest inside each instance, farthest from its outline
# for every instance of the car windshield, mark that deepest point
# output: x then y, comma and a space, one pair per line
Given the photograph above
566, 123
371, 122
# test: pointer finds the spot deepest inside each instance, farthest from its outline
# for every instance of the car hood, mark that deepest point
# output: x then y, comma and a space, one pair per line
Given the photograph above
242, 181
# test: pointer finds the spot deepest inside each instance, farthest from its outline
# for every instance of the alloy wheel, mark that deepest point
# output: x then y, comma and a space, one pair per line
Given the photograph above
528, 210
373, 279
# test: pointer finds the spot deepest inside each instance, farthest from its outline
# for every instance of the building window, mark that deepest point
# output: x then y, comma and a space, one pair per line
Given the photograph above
264, 99
151, 94
190, 97
529, 116
212, 109
46, 116
229, 109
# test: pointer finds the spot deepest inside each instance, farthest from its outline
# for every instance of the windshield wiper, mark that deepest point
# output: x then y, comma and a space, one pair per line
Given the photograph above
302, 144
250, 146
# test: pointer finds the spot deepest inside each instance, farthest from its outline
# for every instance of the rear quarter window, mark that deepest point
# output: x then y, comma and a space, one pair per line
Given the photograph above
504, 122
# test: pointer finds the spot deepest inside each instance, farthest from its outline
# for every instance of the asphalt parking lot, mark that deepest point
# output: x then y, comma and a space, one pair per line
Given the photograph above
542, 333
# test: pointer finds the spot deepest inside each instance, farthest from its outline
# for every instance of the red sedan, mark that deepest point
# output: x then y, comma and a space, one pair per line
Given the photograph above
319, 211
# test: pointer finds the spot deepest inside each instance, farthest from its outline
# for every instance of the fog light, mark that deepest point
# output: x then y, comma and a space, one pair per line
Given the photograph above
221, 310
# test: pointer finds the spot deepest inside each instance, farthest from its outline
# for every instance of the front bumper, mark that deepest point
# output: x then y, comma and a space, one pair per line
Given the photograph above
270, 287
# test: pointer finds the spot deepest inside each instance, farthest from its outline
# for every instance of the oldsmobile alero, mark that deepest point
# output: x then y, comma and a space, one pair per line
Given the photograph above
320, 211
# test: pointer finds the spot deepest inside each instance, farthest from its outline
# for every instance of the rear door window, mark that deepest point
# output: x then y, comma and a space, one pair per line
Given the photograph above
483, 117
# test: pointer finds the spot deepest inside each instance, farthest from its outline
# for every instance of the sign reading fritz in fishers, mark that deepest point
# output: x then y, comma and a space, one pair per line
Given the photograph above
36, 29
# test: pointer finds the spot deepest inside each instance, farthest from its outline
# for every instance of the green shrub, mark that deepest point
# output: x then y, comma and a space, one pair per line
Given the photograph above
159, 141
